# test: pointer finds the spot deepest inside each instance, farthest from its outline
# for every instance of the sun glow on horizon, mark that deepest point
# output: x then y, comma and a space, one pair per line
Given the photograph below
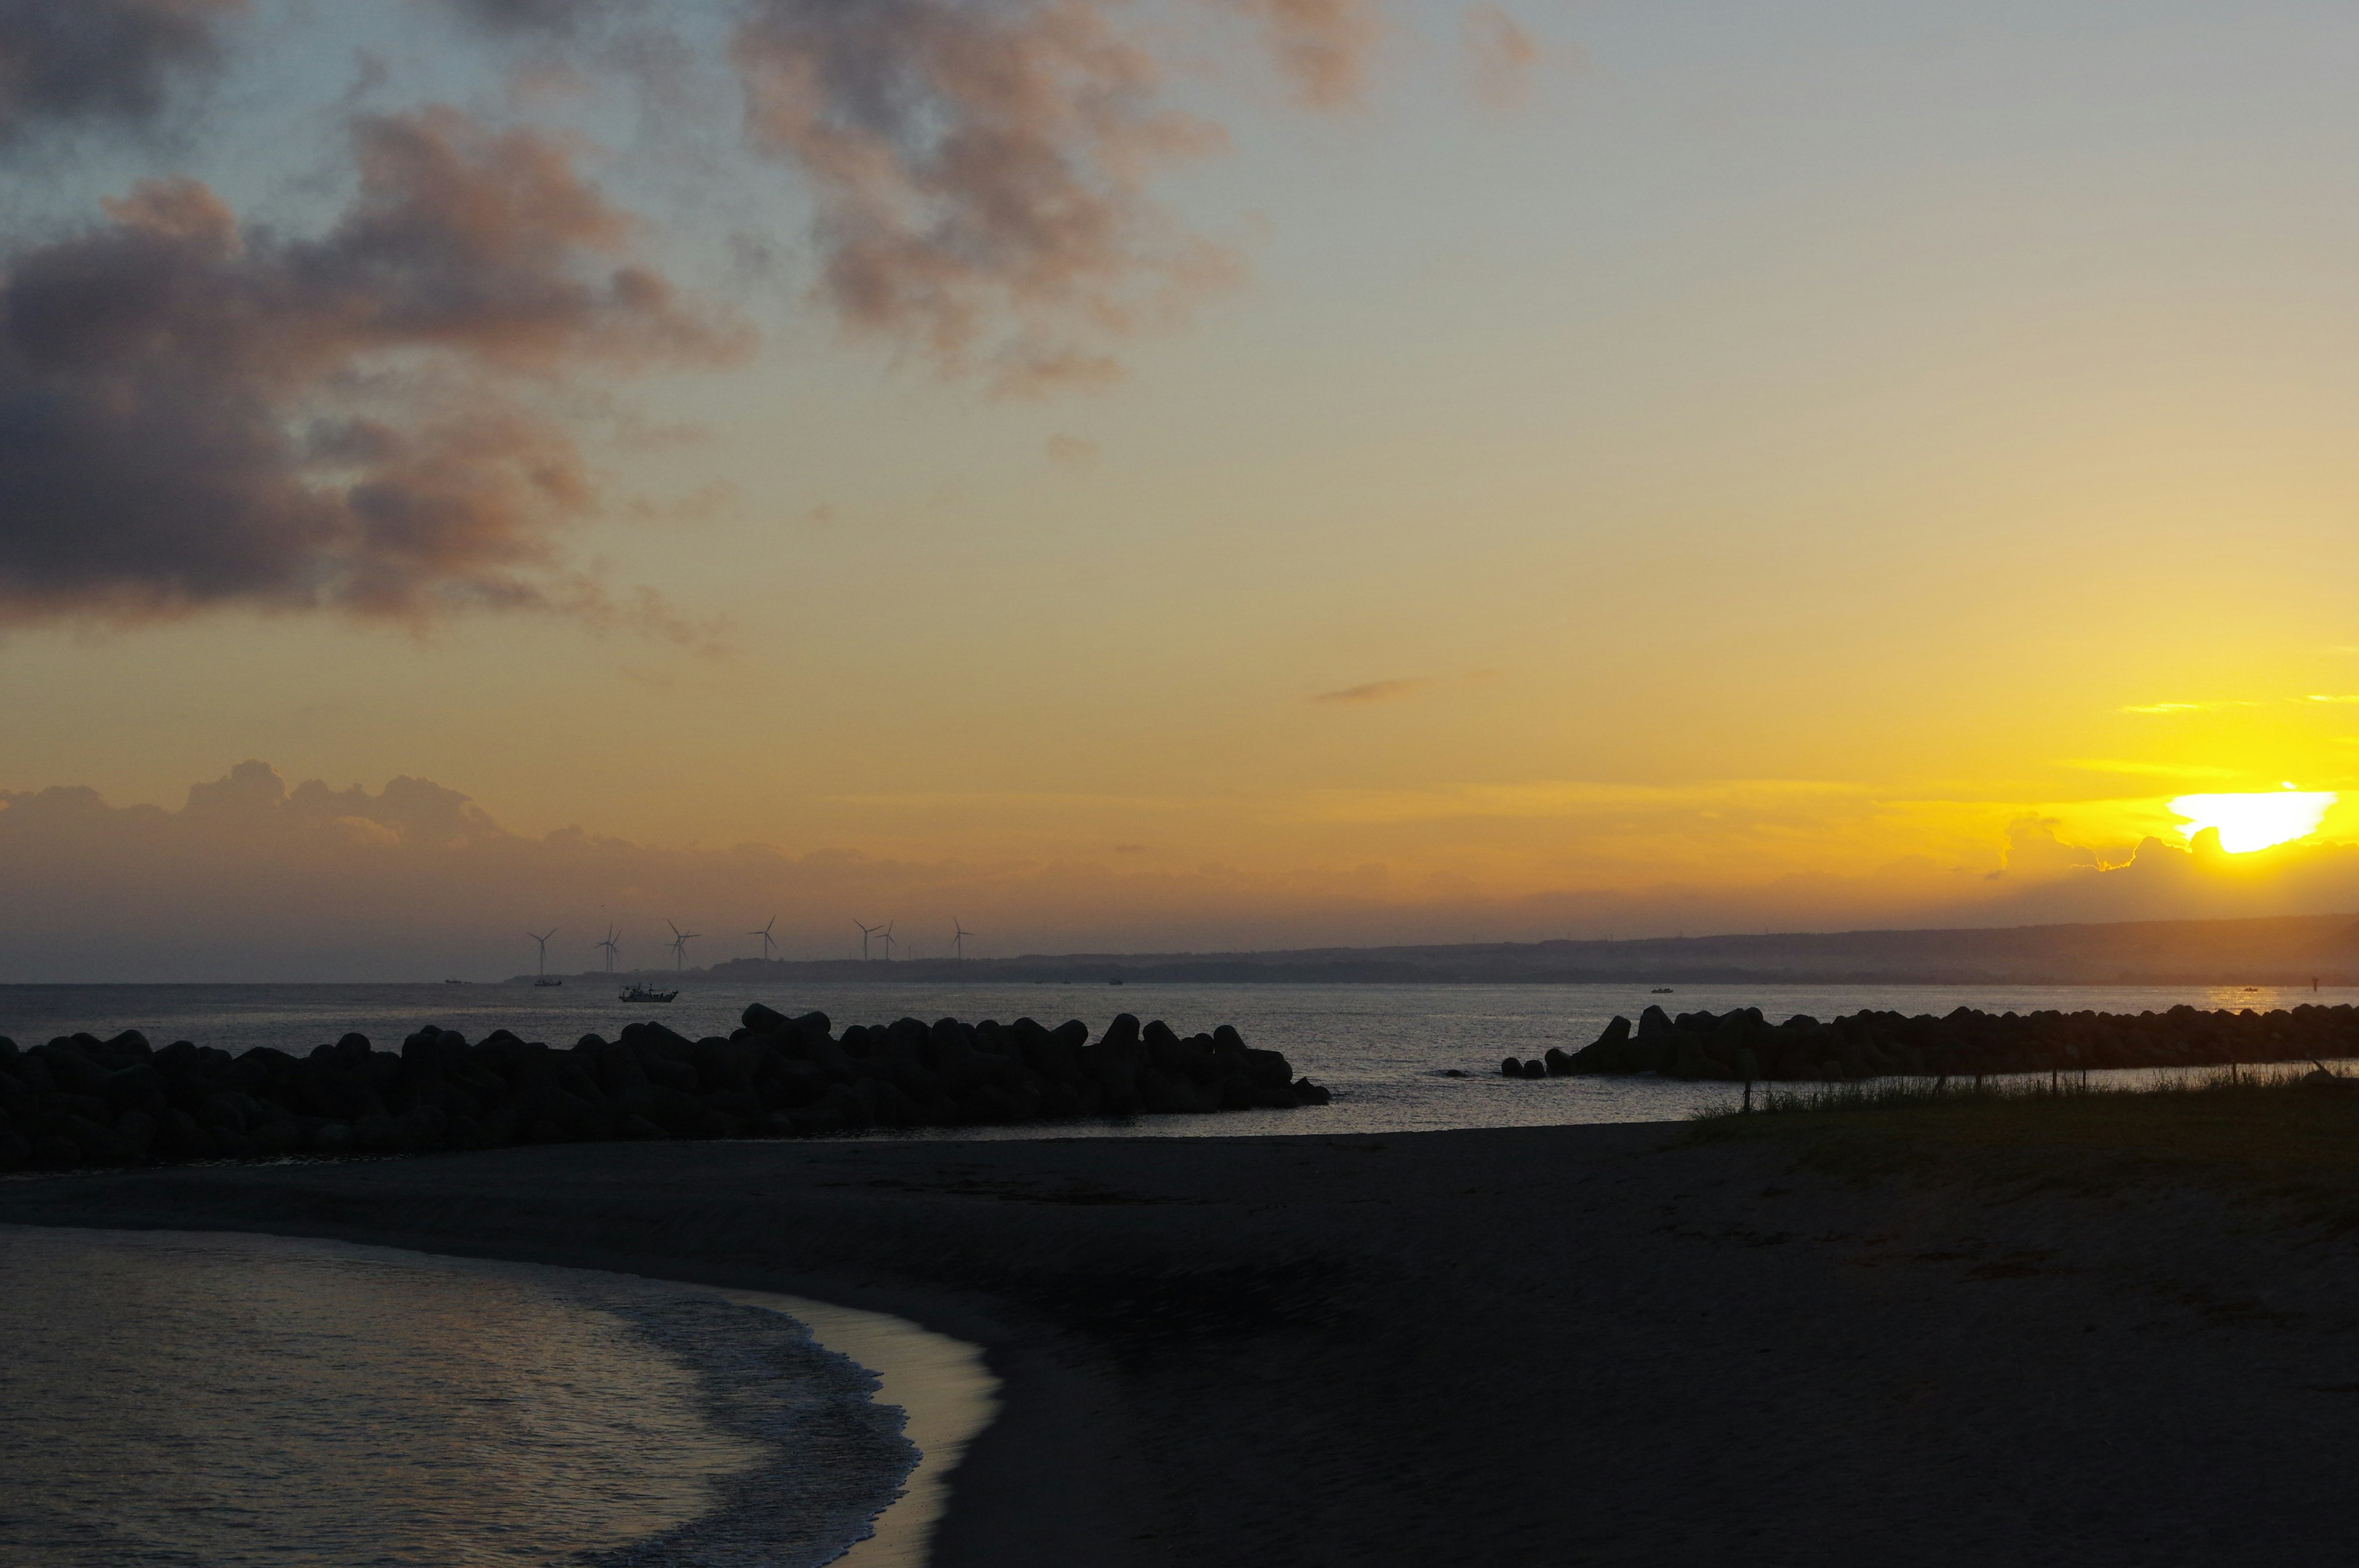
2257, 821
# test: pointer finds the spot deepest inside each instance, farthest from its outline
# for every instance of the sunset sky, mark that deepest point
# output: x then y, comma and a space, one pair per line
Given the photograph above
1190, 472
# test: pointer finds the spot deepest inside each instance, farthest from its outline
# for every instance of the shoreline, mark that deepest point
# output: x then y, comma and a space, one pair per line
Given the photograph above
1599, 1343
946, 1396
751, 1431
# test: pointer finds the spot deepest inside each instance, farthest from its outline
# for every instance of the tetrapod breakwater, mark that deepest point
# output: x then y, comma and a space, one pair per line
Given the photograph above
1741, 1045
79, 1101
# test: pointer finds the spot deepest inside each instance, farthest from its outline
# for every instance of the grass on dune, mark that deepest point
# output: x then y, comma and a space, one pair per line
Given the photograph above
2275, 1131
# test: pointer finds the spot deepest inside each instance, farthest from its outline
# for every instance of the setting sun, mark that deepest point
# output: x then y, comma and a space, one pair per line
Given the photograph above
2249, 821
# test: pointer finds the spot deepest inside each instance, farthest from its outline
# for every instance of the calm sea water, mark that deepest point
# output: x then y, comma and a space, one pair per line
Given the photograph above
1385, 1050
215, 1401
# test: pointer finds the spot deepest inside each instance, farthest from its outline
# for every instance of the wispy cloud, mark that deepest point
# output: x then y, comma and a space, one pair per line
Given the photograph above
1500, 55
2221, 705
1387, 690
1713, 799
981, 170
2150, 770
1376, 690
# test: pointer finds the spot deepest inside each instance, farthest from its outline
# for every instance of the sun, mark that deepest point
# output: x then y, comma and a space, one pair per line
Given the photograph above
2249, 821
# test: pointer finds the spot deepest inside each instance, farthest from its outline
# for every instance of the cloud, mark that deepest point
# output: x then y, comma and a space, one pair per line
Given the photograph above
94, 61
1376, 691
194, 415
1321, 46
982, 167
559, 18
1500, 56
1386, 690
2153, 770
1718, 801
2170, 707
980, 171
196, 412
2033, 849
256, 879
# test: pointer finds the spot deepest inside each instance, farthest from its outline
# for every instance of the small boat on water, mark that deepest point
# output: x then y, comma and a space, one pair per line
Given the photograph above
1660, 991
647, 993
549, 980
1114, 982
457, 982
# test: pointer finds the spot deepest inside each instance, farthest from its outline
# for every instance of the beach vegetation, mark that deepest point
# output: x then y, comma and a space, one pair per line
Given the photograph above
2289, 1133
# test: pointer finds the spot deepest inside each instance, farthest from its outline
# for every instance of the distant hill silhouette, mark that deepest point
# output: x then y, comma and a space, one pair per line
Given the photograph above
2281, 950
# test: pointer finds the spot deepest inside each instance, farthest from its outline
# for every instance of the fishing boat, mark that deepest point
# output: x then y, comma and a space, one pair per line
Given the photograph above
647, 993
549, 980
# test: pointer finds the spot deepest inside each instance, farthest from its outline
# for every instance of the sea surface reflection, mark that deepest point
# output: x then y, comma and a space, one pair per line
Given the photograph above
226, 1400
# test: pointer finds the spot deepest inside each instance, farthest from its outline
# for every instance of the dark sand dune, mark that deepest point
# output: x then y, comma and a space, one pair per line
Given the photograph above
1596, 1344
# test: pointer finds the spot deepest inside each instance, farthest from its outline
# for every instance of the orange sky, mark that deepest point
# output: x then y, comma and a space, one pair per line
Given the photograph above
1633, 449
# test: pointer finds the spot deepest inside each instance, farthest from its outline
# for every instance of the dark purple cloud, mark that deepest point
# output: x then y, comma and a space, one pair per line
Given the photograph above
194, 415
524, 17
982, 167
91, 60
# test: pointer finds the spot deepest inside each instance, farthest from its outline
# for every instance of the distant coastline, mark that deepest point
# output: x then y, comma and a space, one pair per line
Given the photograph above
2282, 950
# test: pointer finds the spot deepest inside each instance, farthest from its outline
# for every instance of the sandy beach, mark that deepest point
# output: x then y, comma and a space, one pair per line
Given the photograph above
1597, 1345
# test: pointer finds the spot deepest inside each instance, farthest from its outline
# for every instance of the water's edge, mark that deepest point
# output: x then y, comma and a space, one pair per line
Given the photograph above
899, 1401
946, 1394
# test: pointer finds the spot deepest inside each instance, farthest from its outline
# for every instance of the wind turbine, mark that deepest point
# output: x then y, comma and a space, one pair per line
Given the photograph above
768, 941
612, 948
888, 941
679, 941
866, 933
958, 942
542, 937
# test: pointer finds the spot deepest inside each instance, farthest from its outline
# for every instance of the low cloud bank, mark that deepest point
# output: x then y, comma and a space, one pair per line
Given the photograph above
251, 880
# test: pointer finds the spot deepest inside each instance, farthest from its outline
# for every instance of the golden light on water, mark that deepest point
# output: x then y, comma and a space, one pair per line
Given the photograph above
2249, 821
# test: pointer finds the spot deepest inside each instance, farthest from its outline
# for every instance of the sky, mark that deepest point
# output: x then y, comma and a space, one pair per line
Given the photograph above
1162, 474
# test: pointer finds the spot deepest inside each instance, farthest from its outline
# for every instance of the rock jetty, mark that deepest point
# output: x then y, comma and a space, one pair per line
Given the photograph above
80, 1100
1741, 1045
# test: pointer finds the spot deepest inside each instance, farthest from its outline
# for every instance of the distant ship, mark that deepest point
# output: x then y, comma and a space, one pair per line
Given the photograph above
457, 982
647, 993
549, 980
1114, 982
1660, 991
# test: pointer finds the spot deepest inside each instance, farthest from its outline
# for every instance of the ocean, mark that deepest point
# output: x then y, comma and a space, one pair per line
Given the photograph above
236, 1401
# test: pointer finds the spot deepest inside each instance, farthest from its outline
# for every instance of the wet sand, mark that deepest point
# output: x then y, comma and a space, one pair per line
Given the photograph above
1594, 1345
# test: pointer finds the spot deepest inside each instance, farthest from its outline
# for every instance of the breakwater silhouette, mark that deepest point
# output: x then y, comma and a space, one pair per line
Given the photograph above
82, 1101
1740, 1045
